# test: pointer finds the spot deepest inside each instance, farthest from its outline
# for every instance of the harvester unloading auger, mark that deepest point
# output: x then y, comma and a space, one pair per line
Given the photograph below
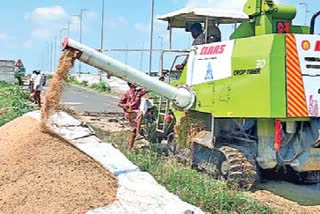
182, 97
258, 93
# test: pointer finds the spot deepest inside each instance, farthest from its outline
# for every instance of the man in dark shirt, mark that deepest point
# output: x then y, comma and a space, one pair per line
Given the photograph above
197, 34
130, 102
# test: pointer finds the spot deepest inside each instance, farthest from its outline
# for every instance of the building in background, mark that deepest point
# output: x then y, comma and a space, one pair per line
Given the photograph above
7, 71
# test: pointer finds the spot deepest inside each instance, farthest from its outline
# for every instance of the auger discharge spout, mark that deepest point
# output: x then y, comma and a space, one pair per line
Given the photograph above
182, 97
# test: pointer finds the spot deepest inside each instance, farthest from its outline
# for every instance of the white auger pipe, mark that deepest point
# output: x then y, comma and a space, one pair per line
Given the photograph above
182, 97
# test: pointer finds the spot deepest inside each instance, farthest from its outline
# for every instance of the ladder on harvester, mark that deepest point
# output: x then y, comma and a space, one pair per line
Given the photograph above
163, 109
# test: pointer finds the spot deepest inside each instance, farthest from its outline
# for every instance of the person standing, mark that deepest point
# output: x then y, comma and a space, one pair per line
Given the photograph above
31, 85
130, 103
38, 85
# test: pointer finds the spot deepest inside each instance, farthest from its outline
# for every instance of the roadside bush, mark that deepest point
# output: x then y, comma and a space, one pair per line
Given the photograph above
84, 83
73, 80
101, 87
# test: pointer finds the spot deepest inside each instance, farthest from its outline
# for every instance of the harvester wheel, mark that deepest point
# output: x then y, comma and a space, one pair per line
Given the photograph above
237, 169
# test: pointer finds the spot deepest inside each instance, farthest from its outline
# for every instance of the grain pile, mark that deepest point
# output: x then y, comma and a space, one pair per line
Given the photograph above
53, 95
40, 173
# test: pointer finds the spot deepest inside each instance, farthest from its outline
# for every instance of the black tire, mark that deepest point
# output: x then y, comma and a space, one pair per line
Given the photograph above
237, 169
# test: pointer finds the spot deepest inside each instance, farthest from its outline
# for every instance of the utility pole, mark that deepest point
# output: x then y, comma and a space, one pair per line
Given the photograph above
307, 11
48, 58
151, 37
55, 52
141, 57
161, 46
79, 16
101, 42
69, 28
61, 30
51, 56
161, 42
126, 55
81, 19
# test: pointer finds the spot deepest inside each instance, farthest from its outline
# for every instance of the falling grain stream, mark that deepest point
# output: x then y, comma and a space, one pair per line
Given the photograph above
53, 95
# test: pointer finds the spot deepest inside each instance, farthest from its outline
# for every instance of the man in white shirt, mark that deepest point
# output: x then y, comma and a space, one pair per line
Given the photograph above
38, 85
31, 81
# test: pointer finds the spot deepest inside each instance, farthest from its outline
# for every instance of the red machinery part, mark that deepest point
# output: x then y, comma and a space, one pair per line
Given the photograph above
169, 118
277, 136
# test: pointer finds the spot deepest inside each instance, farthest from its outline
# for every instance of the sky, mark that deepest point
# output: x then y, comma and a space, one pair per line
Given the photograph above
29, 28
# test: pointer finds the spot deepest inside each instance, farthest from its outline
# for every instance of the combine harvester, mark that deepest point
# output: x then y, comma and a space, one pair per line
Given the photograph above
258, 93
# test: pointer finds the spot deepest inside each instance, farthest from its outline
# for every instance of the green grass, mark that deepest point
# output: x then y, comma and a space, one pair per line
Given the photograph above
49, 77
196, 188
101, 87
13, 102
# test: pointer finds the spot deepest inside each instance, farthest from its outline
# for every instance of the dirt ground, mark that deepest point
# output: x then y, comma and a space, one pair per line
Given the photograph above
113, 122
285, 205
43, 174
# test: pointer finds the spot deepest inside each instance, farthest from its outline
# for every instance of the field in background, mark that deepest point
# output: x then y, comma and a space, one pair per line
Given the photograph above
13, 102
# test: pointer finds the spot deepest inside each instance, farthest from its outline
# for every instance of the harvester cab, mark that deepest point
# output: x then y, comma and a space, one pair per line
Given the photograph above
210, 21
255, 98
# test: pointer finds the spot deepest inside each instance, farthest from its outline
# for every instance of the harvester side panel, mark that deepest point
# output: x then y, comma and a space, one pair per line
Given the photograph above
258, 81
257, 85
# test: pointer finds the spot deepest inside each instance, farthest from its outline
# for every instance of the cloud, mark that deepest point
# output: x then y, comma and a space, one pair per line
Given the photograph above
91, 15
117, 22
142, 27
75, 24
28, 44
47, 14
3, 36
158, 27
47, 22
223, 4
41, 33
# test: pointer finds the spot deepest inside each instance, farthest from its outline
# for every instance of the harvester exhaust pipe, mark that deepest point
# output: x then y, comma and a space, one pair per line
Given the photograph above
182, 96
313, 22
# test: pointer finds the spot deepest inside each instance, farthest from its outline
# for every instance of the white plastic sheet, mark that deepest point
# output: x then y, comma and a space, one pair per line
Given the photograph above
138, 192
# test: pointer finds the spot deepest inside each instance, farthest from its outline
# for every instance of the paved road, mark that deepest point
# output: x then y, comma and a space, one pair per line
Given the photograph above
88, 101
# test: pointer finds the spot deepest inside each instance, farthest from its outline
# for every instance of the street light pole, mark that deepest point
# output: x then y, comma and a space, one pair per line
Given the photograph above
51, 56
161, 46
102, 29
69, 29
151, 37
81, 16
55, 52
307, 11
161, 42
61, 30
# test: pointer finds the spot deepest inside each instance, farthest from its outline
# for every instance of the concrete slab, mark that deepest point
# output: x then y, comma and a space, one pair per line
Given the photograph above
72, 132
64, 119
90, 139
